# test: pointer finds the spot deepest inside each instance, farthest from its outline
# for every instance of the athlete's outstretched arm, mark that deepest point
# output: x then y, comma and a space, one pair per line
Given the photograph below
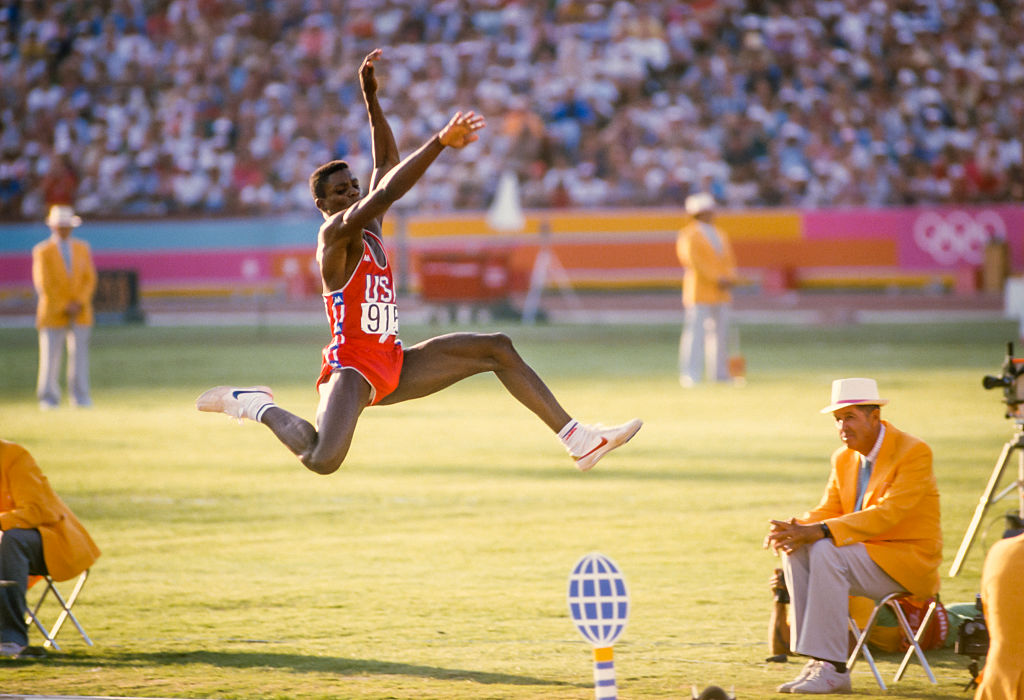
459, 132
384, 148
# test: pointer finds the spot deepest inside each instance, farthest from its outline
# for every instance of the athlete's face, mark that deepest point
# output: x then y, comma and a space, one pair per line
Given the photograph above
341, 191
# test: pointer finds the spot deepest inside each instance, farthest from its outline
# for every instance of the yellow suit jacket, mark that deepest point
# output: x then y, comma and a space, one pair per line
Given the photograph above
705, 266
28, 502
1003, 598
899, 523
56, 288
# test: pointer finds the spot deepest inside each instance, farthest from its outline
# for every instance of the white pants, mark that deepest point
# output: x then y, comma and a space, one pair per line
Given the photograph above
821, 577
705, 332
51, 355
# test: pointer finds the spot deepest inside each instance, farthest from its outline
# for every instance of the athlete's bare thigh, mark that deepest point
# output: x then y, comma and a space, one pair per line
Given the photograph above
439, 362
342, 398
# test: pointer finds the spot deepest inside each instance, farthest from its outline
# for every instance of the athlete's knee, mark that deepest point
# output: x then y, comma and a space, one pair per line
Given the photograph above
322, 465
323, 461
500, 348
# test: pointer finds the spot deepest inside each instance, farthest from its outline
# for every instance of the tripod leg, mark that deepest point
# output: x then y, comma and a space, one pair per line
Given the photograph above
983, 504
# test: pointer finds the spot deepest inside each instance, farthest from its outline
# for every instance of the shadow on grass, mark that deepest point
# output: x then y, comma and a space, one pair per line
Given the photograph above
301, 664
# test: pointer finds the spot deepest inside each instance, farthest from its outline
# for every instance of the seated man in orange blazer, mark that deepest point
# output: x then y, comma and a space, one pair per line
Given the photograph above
38, 535
65, 280
876, 531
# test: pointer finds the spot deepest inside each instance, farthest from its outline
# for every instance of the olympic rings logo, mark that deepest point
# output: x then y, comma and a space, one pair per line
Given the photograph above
957, 236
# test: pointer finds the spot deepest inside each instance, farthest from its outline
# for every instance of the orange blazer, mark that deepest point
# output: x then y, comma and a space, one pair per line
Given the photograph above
705, 266
56, 288
27, 502
1003, 598
899, 524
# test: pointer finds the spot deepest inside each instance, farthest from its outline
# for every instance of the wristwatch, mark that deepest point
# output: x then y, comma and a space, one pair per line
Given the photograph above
825, 531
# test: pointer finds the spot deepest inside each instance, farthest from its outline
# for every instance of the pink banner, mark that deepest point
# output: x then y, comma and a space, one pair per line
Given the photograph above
945, 237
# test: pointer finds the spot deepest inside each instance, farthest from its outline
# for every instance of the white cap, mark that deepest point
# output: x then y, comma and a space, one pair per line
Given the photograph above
62, 216
699, 203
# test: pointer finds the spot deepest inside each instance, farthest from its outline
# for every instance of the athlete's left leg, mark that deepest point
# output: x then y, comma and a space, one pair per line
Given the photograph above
440, 362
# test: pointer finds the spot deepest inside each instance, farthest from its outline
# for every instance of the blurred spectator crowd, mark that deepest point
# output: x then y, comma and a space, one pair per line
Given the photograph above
138, 108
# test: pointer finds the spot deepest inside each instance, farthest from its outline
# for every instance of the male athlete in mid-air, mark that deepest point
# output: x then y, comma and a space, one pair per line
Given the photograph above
365, 363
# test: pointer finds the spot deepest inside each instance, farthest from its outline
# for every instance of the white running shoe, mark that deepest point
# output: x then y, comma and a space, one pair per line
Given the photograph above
603, 440
801, 677
237, 402
11, 650
824, 679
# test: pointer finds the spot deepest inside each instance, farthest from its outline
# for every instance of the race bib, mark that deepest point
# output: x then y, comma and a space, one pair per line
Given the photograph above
380, 319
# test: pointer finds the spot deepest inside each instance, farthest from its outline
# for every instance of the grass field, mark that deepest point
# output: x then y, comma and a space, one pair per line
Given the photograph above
435, 563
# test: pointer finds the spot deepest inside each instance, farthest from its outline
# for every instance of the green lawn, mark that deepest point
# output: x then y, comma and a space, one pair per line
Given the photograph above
435, 563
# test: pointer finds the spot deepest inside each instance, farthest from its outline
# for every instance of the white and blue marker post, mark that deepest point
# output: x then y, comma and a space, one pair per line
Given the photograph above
599, 606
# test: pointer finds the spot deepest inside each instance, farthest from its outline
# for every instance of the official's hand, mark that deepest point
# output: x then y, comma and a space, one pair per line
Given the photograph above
367, 79
72, 309
788, 535
461, 130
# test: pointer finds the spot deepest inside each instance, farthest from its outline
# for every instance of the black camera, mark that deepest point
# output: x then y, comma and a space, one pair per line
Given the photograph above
1013, 367
972, 641
972, 637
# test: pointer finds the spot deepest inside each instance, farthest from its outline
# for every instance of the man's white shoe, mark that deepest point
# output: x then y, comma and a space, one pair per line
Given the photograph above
824, 679
603, 440
10, 650
237, 402
801, 677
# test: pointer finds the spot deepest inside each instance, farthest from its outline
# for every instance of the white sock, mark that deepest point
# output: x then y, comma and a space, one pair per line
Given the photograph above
574, 436
256, 404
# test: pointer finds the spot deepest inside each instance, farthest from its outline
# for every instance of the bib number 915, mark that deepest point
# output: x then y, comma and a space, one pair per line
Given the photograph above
380, 319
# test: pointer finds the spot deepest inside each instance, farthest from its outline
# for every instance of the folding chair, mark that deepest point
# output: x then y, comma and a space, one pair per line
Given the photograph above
32, 611
913, 638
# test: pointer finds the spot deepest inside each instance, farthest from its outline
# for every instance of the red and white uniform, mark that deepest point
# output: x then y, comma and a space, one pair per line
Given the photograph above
363, 317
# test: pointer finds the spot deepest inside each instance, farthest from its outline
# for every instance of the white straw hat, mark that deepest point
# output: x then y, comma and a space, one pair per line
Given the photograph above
699, 203
854, 392
61, 215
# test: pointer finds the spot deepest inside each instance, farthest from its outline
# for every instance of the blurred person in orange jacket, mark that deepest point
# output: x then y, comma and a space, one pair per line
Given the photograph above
65, 280
710, 274
38, 535
1003, 599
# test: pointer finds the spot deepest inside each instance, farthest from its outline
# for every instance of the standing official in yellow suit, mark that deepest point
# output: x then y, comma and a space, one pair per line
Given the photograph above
38, 535
1002, 595
65, 280
706, 255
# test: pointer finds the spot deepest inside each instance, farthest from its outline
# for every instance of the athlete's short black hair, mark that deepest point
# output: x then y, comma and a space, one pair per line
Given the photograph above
316, 180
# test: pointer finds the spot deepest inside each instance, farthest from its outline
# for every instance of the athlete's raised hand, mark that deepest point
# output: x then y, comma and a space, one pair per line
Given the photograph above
461, 130
367, 79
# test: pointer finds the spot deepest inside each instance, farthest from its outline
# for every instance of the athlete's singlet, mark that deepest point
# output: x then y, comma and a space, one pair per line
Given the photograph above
364, 323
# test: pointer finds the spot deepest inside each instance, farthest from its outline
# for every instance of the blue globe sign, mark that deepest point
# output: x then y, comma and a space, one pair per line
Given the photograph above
598, 599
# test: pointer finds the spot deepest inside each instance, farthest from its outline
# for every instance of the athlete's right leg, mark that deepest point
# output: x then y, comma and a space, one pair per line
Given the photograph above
342, 399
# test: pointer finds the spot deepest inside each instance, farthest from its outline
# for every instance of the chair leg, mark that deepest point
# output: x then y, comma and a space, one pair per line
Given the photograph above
861, 649
66, 608
32, 612
32, 615
914, 639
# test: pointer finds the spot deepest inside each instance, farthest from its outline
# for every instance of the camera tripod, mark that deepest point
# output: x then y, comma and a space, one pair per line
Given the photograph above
1016, 443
